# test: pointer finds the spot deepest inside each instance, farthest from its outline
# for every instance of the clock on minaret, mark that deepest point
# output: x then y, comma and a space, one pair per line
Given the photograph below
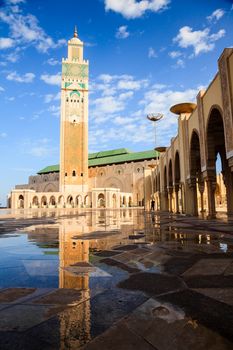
74, 120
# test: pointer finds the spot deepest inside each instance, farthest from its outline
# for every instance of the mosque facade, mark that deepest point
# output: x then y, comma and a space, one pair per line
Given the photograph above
109, 179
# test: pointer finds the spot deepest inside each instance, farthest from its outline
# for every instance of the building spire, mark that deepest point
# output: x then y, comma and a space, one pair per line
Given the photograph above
75, 32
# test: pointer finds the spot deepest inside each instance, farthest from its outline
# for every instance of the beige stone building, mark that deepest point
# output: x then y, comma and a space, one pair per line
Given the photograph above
180, 178
110, 179
187, 168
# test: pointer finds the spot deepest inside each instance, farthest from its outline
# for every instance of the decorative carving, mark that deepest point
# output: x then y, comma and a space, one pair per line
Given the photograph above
74, 70
201, 130
226, 98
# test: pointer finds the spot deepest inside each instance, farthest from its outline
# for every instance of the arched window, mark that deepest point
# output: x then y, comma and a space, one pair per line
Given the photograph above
73, 173
65, 174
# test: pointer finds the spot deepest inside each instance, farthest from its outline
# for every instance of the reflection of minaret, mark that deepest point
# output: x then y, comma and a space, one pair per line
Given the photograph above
74, 119
75, 320
72, 251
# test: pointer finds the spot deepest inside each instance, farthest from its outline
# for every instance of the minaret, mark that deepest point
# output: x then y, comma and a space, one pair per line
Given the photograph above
74, 119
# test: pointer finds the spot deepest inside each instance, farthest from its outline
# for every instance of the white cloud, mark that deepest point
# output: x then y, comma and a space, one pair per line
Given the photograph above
107, 104
200, 40
54, 110
151, 53
122, 32
179, 63
125, 95
53, 62
122, 120
1, 89
6, 43
130, 84
175, 54
25, 78
15, 2
13, 56
40, 148
135, 9
52, 97
3, 135
25, 29
51, 79
216, 15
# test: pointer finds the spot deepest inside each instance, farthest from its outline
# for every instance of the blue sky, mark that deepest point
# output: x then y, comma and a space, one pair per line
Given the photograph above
144, 56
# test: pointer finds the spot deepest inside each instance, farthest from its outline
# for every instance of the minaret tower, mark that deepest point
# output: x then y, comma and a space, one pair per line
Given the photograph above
74, 119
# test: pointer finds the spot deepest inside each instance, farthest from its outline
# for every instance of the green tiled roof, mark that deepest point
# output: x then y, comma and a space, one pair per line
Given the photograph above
117, 156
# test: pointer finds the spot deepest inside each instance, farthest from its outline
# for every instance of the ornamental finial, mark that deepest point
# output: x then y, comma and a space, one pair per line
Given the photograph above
75, 32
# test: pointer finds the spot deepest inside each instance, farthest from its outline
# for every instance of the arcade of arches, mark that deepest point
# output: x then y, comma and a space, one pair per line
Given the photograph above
186, 179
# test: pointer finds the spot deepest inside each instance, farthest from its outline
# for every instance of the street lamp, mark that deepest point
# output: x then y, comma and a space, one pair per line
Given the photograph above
154, 117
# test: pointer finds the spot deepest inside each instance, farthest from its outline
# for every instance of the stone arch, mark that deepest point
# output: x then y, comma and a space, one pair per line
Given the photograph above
21, 202
35, 202
113, 182
44, 202
177, 187
52, 201
101, 200
101, 172
49, 187
119, 170
216, 144
70, 201
61, 201
78, 201
87, 201
195, 170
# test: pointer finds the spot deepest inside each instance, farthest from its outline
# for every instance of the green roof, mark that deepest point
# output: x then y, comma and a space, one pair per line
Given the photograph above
117, 156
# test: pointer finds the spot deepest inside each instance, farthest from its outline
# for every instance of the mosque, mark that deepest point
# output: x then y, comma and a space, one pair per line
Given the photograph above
181, 178
108, 179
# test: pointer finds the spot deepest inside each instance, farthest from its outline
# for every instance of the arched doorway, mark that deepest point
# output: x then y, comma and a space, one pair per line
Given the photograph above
44, 202
216, 149
178, 191
78, 201
21, 202
52, 201
70, 202
195, 173
87, 201
61, 201
35, 202
101, 201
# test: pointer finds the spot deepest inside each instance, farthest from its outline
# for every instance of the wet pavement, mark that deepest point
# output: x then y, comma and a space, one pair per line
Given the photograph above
82, 279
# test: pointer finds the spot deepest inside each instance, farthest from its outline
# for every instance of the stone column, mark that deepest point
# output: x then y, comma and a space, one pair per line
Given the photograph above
211, 187
164, 200
192, 199
182, 198
201, 187
176, 189
228, 181
170, 192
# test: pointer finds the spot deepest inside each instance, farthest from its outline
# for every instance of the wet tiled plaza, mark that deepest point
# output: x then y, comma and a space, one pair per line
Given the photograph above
117, 279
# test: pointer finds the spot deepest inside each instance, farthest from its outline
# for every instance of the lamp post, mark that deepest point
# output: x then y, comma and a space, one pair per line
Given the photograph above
154, 117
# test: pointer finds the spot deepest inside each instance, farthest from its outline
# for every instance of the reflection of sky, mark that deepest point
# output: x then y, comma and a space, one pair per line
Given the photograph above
23, 264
